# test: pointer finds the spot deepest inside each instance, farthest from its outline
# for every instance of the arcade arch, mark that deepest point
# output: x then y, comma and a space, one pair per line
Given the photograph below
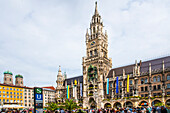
107, 105
117, 105
128, 104
154, 102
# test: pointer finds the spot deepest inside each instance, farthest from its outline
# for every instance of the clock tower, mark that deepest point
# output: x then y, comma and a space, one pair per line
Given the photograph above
96, 64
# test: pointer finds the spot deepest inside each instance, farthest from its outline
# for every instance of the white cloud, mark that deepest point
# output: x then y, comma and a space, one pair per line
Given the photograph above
38, 36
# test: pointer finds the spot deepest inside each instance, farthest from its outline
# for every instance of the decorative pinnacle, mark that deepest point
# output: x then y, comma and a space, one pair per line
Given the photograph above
96, 11
59, 68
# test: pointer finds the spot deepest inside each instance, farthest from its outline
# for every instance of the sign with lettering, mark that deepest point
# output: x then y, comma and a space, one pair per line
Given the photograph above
38, 100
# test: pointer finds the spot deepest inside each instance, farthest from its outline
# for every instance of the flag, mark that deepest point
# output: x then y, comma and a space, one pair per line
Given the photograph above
107, 85
67, 91
73, 91
128, 84
117, 85
81, 89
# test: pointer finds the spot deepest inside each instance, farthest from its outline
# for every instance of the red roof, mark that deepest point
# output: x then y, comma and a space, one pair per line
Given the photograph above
49, 87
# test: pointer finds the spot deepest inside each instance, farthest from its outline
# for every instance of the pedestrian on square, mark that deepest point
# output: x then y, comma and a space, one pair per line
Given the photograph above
163, 109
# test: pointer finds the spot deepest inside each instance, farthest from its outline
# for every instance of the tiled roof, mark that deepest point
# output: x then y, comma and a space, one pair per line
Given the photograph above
16, 86
156, 64
49, 87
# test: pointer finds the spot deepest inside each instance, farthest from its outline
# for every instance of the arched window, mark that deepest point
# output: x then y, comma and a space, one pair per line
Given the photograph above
93, 29
120, 84
142, 81
146, 80
131, 82
168, 77
154, 79
159, 78
91, 53
168, 85
95, 52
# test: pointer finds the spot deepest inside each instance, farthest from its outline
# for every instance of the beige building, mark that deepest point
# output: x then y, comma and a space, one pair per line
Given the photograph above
48, 96
29, 97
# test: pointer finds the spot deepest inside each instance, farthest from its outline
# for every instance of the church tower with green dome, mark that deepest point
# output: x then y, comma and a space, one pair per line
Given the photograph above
8, 78
19, 80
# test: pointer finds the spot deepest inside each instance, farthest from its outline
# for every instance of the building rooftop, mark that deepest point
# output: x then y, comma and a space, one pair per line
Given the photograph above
49, 87
8, 72
78, 78
156, 64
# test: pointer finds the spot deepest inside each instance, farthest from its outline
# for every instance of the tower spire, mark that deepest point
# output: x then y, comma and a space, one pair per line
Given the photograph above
96, 11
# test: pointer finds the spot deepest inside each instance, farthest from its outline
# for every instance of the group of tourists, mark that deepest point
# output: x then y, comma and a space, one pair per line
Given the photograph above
147, 109
159, 109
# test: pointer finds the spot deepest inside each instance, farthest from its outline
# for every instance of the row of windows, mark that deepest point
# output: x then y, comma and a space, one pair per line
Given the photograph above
156, 88
11, 93
7, 100
28, 94
29, 90
120, 83
10, 96
11, 89
157, 78
95, 52
144, 80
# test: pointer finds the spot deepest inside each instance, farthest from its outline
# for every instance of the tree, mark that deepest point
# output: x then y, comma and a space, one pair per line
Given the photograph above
70, 105
52, 106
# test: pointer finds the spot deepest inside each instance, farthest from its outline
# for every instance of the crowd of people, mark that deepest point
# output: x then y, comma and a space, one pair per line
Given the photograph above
147, 109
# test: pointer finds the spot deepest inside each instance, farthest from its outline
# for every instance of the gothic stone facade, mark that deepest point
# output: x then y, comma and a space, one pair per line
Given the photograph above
149, 80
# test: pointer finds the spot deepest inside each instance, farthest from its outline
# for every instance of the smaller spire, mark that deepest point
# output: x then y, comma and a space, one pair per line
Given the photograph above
87, 32
105, 32
163, 66
150, 70
96, 11
59, 69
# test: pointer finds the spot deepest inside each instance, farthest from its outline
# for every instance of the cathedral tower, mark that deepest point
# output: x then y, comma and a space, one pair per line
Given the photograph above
96, 64
19, 80
8, 78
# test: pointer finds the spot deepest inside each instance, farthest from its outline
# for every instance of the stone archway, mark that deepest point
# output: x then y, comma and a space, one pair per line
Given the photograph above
92, 103
156, 102
91, 99
117, 105
128, 104
167, 103
107, 105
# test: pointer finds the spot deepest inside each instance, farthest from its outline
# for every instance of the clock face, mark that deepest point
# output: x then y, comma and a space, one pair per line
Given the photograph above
92, 43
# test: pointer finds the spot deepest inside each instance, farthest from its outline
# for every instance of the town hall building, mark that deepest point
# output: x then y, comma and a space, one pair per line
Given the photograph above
149, 81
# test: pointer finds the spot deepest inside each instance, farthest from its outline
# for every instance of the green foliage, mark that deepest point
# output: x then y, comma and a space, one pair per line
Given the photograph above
52, 106
91, 94
70, 105
159, 104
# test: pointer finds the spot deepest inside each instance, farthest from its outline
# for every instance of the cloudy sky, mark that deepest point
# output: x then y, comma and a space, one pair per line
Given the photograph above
36, 36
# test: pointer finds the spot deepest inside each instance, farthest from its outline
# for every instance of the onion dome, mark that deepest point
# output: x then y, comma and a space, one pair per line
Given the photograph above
8, 72
18, 76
